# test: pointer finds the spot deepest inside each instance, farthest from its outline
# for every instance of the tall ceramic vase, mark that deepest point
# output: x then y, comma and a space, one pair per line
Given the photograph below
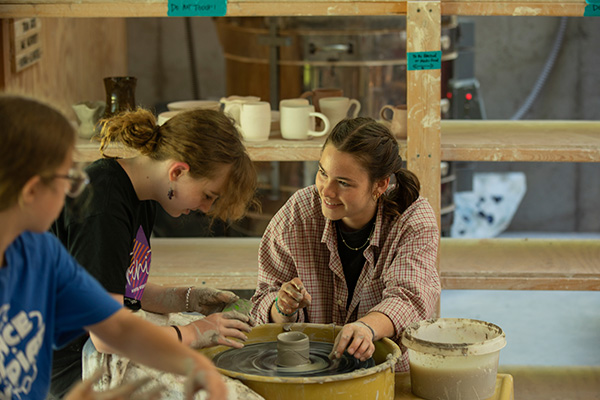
120, 94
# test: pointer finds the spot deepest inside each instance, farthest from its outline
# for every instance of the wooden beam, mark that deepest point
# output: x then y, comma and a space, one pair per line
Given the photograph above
514, 8
423, 30
159, 8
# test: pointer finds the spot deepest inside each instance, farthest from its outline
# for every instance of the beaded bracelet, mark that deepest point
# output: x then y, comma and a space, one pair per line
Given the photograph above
281, 312
187, 298
371, 329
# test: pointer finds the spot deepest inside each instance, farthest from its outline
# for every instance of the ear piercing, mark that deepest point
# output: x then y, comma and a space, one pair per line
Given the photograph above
170, 193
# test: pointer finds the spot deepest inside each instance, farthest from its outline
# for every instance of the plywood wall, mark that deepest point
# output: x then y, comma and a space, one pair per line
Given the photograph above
77, 54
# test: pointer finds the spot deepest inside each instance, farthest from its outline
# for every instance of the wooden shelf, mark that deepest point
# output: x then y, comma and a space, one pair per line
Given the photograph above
158, 8
515, 8
467, 140
489, 140
236, 8
520, 264
275, 149
494, 264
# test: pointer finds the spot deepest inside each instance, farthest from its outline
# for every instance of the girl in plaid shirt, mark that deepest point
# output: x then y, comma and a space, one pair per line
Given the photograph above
358, 248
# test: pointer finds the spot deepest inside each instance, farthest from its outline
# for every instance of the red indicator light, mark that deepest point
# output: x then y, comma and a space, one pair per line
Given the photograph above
468, 96
449, 95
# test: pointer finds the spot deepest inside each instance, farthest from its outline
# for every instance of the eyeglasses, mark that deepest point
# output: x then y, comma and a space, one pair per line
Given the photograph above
78, 178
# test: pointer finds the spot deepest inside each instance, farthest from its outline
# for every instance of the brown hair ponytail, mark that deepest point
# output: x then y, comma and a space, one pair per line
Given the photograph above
137, 130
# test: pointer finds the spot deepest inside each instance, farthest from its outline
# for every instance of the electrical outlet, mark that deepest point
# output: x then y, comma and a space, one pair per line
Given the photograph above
26, 42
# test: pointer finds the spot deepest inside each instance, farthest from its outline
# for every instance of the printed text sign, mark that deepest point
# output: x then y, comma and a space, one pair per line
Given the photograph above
197, 8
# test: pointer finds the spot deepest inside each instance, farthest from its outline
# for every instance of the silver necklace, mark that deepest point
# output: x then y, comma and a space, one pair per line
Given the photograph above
360, 247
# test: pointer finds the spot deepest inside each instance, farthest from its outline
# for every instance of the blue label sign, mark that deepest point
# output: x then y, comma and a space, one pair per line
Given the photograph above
197, 8
421, 60
592, 10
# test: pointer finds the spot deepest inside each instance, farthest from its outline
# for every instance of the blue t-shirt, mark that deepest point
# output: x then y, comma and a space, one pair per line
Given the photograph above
46, 299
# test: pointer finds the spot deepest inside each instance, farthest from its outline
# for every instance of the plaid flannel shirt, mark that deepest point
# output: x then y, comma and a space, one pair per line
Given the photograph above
399, 278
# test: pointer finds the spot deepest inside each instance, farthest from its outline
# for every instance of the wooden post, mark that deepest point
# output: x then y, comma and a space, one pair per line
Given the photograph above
423, 100
423, 30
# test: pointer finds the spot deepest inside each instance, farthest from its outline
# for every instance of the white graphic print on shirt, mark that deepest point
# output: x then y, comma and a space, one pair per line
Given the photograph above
21, 338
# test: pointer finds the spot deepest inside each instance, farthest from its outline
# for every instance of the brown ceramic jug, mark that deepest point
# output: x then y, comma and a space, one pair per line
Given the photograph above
120, 94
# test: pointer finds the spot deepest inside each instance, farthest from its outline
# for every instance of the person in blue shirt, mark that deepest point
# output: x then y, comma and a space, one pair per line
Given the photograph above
46, 298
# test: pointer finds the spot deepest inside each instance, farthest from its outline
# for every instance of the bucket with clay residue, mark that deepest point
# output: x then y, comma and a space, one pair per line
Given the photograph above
453, 358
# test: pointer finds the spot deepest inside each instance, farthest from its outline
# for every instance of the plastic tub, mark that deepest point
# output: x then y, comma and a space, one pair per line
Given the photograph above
453, 358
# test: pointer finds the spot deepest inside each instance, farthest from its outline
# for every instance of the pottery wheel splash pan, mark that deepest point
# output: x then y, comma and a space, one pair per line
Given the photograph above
261, 359
374, 382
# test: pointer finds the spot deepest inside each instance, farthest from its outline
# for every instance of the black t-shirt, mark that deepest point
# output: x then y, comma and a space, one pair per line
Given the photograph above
351, 254
99, 228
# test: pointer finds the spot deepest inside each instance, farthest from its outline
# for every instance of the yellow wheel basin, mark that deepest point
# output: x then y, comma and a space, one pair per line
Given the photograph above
372, 383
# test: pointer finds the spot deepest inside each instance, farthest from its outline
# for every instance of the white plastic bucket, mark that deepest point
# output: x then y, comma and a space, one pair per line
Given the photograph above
453, 358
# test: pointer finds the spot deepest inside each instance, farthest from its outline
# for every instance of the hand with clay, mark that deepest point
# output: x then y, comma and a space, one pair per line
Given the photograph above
209, 300
357, 339
210, 380
216, 329
127, 391
291, 297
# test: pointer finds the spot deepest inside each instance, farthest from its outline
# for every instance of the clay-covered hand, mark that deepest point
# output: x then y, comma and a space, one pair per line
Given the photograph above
209, 300
218, 328
355, 338
210, 380
293, 296
127, 391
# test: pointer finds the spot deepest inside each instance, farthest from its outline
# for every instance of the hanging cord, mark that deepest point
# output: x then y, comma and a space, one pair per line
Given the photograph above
541, 80
192, 56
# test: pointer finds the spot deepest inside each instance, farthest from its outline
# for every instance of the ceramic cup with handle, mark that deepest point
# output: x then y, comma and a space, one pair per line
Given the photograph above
255, 120
230, 105
338, 108
397, 119
297, 121
317, 94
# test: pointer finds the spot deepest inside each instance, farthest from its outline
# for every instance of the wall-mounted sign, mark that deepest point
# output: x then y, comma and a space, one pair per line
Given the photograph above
197, 8
26, 42
421, 60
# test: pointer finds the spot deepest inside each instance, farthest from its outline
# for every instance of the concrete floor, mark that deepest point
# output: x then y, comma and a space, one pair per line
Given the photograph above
552, 328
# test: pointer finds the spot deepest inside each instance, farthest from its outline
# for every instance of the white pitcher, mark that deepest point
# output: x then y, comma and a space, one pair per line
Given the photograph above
230, 108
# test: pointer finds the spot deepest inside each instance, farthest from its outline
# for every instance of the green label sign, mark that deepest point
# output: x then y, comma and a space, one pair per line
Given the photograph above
197, 8
421, 60
592, 10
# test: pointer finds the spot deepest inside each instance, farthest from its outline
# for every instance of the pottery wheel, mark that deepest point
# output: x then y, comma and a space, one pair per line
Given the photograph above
261, 359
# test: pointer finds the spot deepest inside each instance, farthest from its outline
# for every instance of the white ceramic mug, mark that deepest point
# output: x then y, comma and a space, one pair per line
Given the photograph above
255, 120
230, 105
297, 122
398, 119
337, 108
294, 101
